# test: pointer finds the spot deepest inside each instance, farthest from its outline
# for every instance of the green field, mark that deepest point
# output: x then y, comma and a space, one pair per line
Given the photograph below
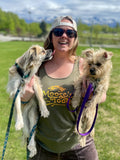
107, 137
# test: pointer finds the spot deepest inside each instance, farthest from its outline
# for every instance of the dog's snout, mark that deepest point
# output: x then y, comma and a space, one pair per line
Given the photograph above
48, 55
92, 71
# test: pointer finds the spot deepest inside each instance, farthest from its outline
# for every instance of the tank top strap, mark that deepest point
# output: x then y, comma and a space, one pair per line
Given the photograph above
41, 71
76, 72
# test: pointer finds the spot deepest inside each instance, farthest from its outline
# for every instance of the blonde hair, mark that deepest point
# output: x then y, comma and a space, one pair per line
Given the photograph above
49, 45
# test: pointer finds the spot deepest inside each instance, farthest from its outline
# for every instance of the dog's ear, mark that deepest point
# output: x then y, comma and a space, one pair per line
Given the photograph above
36, 49
33, 51
88, 53
107, 55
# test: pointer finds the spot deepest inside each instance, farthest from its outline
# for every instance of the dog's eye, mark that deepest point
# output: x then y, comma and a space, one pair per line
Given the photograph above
43, 51
89, 64
98, 64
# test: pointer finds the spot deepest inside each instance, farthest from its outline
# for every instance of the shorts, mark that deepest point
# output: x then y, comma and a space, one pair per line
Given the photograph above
88, 152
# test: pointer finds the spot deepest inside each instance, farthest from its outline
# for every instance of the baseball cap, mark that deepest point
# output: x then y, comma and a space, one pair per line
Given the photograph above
57, 22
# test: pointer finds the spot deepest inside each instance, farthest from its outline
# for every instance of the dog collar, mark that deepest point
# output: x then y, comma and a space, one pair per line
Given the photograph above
21, 72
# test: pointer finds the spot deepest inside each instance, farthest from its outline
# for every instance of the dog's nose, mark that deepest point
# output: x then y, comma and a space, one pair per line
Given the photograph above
92, 71
48, 55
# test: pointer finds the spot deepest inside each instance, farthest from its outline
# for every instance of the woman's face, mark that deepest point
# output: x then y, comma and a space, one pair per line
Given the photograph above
63, 43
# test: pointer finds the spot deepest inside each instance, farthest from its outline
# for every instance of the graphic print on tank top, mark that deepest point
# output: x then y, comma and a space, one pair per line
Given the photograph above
57, 95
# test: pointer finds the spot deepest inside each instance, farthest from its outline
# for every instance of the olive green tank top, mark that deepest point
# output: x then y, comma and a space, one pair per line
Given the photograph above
57, 132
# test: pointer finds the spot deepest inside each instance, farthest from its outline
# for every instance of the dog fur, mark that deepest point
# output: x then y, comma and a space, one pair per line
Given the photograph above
26, 115
97, 68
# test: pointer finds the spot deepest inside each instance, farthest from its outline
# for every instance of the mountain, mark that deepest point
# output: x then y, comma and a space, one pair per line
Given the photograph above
101, 21
89, 21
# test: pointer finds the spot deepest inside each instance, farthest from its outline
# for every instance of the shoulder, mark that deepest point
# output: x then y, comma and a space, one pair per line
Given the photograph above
81, 64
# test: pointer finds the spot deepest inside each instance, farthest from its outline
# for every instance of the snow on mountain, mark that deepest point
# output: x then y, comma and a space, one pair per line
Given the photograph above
89, 21
101, 21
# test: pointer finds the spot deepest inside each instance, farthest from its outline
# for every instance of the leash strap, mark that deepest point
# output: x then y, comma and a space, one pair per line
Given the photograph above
9, 123
21, 72
31, 133
85, 134
88, 92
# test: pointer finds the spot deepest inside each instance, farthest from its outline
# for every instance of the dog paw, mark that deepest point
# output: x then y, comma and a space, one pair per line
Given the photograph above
44, 113
19, 125
83, 142
74, 104
33, 150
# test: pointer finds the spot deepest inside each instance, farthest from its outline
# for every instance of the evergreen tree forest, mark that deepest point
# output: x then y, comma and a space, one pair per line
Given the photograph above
11, 24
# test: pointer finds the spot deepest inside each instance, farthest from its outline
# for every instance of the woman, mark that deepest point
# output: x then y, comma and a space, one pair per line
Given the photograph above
56, 137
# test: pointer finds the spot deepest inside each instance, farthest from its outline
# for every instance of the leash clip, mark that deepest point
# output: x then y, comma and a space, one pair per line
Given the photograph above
22, 82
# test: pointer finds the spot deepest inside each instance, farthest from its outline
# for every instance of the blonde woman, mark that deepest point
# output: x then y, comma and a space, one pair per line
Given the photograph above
55, 136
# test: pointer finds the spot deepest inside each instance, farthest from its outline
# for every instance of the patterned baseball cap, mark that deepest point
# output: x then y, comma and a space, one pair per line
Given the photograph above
57, 22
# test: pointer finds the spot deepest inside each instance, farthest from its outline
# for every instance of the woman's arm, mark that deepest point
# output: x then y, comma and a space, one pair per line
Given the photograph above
103, 99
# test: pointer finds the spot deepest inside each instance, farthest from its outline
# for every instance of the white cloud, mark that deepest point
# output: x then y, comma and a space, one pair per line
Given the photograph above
52, 8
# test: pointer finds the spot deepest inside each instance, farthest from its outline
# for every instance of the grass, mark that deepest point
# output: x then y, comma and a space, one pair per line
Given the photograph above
107, 136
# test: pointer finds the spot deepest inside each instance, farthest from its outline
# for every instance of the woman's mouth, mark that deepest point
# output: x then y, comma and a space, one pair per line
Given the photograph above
63, 43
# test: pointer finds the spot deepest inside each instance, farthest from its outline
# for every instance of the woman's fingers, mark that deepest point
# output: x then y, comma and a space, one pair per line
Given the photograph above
29, 91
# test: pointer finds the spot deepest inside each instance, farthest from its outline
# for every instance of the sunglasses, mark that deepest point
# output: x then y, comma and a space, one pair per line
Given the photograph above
58, 32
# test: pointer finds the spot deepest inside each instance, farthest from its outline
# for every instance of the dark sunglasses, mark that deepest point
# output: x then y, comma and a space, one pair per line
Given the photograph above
58, 32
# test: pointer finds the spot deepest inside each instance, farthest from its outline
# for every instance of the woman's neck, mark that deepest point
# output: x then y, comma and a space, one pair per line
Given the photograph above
61, 58
59, 66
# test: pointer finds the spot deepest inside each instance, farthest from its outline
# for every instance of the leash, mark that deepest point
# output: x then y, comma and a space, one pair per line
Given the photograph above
88, 92
10, 119
68, 104
23, 76
21, 72
31, 133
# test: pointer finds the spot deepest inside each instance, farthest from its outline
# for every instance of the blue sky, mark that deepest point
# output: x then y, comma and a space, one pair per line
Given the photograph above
83, 9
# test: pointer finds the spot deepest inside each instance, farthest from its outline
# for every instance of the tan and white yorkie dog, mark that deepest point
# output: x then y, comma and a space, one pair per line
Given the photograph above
97, 68
24, 69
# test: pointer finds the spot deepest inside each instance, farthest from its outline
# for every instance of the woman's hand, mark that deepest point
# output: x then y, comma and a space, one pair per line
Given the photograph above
29, 91
103, 99
85, 85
